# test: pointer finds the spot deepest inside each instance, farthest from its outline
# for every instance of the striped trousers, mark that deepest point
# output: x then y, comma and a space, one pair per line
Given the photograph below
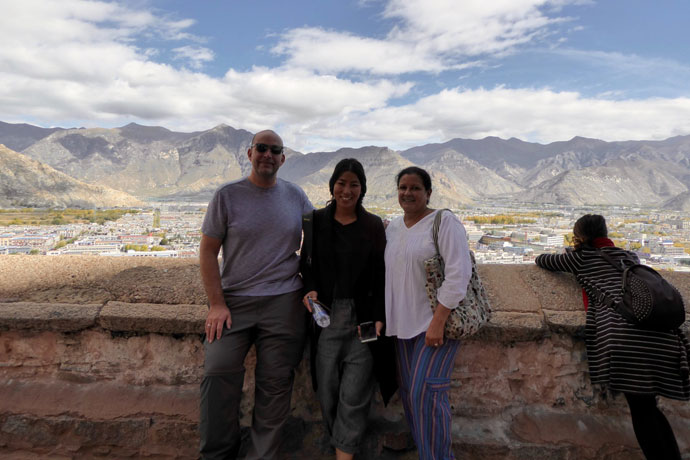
424, 379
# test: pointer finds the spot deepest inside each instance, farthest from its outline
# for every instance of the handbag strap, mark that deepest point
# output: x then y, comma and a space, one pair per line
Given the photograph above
436, 227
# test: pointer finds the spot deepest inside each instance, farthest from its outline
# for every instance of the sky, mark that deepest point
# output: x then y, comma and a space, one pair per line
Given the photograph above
327, 74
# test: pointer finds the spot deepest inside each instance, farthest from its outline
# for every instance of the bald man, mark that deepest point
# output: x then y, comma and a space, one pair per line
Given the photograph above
254, 299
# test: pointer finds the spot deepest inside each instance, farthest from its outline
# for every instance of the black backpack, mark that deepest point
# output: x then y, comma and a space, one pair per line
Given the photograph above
648, 300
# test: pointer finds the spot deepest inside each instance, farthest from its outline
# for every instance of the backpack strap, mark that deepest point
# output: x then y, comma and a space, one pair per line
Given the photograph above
618, 265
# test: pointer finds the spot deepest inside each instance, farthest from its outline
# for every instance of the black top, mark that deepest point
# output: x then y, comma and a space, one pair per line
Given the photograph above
363, 270
344, 239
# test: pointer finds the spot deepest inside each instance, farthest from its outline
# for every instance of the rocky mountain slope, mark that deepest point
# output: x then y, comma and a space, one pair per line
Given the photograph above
577, 172
381, 165
148, 161
20, 136
154, 162
27, 183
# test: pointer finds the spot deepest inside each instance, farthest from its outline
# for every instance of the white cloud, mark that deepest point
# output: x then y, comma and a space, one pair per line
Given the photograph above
329, 51
539, 115
430, 36
77, 63
196, 55
470, 27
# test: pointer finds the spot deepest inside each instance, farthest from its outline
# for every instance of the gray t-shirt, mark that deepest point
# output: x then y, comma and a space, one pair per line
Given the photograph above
261, 231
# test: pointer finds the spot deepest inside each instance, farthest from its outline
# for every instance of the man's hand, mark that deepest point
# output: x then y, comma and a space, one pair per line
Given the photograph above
218, 315
379, 328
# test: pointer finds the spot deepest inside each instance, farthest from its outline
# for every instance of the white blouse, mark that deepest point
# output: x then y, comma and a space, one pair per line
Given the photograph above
408, 310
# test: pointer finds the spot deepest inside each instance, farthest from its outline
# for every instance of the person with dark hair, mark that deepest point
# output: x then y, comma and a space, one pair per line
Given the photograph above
642, 364
425, 357
253, 300
345, 271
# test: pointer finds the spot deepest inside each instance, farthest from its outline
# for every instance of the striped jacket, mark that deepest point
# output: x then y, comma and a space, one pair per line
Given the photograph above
621, 355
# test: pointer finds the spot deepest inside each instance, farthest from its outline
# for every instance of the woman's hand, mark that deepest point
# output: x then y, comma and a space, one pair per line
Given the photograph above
313, 295
379, 328
434, 334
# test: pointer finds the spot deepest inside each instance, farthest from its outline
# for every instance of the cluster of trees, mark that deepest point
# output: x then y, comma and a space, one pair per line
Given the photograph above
64, 242
31, 216
142, 248
501, 219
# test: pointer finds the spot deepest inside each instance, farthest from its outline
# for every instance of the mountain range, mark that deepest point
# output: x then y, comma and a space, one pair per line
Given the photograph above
148, 162
28, 183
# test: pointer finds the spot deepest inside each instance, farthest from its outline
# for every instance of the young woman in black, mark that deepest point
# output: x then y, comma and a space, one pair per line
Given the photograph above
345, 271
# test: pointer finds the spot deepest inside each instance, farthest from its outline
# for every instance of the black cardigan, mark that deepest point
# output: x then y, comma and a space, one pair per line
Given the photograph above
368, 273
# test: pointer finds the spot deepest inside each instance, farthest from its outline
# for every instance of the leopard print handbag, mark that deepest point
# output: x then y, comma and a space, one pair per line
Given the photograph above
474, 310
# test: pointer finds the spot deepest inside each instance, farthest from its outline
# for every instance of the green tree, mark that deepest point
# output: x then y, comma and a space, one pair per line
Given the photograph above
157, 218
568, 237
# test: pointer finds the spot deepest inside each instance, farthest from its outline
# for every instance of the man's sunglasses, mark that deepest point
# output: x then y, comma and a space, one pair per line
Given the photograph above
275, 149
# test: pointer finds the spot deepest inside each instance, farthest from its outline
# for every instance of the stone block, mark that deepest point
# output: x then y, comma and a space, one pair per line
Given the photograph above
100, 400
542, 426
74, 437
96, 279
156, 318
159, 284
512, 327
47, 316
553, 290
569, 322
520, 295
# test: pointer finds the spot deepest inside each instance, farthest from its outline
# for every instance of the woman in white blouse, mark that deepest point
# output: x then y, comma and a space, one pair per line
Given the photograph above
425, 357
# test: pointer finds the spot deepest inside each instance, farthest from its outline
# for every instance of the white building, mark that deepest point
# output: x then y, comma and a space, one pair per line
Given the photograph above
551, 240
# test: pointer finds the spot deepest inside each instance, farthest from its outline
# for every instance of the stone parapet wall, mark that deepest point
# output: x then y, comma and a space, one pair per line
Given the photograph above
103, 357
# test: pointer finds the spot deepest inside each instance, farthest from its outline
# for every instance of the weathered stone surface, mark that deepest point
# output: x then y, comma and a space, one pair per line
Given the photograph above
47, 316
491, 377
95, 355
506, 291
124, 384
544, 427
680, 280
81, 438
569, 322
179, 284
552, 291
512, 327
102, 400
95, 279
157, 318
